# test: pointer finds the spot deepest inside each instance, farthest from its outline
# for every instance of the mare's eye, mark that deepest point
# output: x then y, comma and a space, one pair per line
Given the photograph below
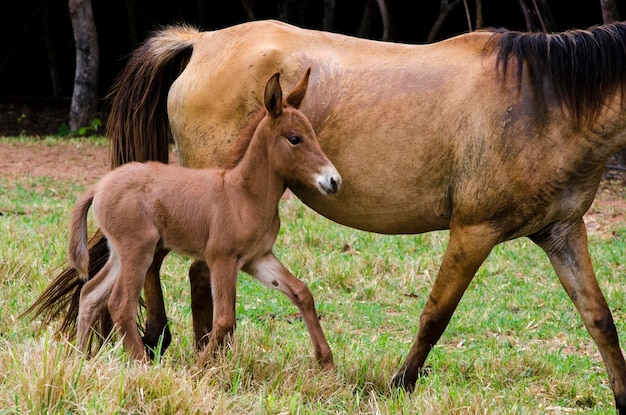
294, 139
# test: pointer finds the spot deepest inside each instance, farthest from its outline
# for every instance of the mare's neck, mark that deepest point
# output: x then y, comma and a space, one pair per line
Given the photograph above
255, 174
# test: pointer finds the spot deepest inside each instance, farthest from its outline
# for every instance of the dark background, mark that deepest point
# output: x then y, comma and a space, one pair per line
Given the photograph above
30, 28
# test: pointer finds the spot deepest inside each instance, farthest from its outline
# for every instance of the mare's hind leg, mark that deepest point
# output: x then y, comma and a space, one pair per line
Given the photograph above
201, 303
272, 273
566, 246
93, 297
136, 256
157, 330
467, 249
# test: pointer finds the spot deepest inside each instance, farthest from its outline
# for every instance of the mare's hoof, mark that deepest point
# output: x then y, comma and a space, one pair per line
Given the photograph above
156, 340
406, 380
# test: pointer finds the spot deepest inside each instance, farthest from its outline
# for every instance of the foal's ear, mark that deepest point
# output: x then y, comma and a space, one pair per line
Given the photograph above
296, 96
273, 98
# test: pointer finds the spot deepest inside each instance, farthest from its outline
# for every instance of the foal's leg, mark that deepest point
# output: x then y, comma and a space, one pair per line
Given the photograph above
156, 318
93, 297
201, 302
272, 273
224, 291
467, 249
136, 256
566, 246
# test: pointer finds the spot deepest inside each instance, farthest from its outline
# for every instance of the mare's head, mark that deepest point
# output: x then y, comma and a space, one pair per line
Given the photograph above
294, 151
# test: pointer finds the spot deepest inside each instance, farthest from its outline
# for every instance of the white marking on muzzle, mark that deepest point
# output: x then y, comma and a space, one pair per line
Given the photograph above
329, 180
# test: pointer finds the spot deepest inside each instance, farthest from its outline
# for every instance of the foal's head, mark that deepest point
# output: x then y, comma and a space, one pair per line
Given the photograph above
294, 151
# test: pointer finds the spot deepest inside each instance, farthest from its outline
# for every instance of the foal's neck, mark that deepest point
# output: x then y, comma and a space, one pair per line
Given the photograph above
256, 174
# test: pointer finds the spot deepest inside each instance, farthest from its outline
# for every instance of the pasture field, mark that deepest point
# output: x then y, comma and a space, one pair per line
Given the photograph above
515, 345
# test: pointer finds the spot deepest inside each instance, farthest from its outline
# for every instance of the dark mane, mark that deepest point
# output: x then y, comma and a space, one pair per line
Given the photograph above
583, 65
243, 140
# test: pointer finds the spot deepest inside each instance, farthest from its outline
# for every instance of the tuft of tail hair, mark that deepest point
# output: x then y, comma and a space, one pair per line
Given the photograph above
62, 296
78, 249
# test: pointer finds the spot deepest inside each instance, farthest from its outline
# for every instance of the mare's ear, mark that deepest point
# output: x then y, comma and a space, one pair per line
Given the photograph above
273, 98
297, 95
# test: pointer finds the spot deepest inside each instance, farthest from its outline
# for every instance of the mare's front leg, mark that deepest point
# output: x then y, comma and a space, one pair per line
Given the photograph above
272, 273
566, 246
201, 303
157, 330
223, 278
467, 249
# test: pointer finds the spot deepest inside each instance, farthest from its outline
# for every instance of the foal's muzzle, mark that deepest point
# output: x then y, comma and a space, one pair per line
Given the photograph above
329, 182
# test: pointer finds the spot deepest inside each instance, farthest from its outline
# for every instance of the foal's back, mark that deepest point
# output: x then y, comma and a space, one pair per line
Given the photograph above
181, 204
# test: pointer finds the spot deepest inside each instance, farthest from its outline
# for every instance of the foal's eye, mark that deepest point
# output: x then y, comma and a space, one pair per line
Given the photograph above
294, 139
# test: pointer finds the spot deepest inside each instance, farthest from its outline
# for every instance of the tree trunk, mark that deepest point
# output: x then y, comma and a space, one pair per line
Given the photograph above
48, 27
537, 15
478, 23
248, 6
384, 15
84, 98
370, 12
329, 15
445, 7
610, 13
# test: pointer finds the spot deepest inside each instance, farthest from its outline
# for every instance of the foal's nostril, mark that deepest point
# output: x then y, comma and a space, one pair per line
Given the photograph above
329, 183
333, 184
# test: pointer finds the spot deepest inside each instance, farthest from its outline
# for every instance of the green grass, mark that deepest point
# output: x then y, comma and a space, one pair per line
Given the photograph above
516, 345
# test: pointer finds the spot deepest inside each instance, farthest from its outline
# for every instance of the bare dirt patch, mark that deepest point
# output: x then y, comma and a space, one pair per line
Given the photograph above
75, 161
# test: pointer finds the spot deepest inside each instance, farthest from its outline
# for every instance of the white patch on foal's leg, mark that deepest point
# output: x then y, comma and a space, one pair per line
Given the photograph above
269, 271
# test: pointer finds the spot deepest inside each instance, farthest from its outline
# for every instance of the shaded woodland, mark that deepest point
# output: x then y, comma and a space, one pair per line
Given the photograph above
40, 59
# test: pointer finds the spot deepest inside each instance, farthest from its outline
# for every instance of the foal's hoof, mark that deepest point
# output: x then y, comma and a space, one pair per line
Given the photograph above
208, 355
328, 366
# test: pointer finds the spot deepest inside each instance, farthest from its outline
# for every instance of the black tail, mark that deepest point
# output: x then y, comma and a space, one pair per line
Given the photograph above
62, 294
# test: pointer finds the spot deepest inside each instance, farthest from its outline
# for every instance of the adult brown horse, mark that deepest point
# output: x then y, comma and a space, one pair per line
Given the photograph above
494, 135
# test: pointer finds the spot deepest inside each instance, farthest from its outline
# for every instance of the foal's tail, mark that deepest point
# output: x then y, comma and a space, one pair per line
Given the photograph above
79, 253
138, 129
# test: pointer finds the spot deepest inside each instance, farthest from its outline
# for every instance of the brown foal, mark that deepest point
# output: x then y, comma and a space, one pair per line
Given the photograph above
225, 217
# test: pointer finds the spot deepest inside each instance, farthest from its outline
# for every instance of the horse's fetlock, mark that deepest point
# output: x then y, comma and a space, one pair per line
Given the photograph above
221, 331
